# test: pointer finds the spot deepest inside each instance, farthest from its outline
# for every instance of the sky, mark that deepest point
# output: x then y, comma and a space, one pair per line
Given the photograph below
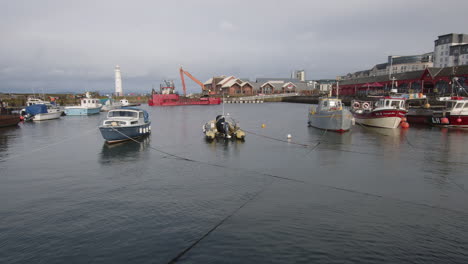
73, 46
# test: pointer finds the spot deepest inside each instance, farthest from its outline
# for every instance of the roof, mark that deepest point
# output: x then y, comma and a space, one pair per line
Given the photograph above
263, 80
245, 83
209, 81
230, 83
225, 80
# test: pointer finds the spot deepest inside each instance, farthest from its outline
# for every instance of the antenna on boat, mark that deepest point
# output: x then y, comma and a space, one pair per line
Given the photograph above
223, 103
337, 89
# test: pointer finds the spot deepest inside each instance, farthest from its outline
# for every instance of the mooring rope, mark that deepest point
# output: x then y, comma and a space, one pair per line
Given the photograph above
182, 253
212, 164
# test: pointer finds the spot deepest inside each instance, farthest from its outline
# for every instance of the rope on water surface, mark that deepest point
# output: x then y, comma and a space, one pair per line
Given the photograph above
182, 253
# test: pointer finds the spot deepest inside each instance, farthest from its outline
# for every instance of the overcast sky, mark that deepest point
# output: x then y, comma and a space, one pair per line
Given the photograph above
74, 45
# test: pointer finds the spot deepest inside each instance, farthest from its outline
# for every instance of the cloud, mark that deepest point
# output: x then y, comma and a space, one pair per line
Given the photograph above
227, 26
48, 43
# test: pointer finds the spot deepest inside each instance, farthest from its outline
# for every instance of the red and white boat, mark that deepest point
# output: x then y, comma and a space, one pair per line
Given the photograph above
455, 113
387, 112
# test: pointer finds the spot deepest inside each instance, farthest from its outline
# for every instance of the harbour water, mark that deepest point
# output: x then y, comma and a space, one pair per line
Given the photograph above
368, 196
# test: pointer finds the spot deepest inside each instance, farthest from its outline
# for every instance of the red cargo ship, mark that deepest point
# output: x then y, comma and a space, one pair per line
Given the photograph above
167, 97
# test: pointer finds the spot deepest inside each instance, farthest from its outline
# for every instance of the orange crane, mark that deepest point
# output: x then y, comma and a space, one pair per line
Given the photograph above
182, 72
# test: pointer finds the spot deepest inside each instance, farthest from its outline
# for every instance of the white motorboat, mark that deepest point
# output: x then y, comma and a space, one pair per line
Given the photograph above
329, 114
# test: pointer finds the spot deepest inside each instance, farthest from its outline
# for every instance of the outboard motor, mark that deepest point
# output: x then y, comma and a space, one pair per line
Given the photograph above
220, 120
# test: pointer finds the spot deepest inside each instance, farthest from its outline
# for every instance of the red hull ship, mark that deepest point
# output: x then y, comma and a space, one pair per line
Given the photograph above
167, 97
175, 99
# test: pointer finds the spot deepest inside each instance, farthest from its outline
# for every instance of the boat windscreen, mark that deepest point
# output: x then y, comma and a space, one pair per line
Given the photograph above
122, 114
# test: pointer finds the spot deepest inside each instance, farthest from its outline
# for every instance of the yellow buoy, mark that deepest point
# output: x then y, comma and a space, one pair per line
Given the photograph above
263, 125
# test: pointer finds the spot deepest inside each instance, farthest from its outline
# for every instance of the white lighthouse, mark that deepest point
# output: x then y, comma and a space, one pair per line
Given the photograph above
118, 82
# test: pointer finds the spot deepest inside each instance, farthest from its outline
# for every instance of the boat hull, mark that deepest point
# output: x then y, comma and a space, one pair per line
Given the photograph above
380, 118
454, 121
117, 134
174, 100
47, 116
338, 121
9, 120
79, 111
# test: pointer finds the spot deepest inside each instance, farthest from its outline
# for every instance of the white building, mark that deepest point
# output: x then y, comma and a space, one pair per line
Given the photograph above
299, 74
451, 50
118, 82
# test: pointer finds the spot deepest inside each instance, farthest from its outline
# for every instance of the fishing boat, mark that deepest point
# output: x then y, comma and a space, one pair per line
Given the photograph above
125, 124
88, 106
387, 112
41, 112
329, 114
223, 127
455, 113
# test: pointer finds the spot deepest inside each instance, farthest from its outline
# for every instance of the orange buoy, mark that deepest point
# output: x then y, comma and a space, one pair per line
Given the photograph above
403, 119
444, 120
21, 118
404, 125
459, 120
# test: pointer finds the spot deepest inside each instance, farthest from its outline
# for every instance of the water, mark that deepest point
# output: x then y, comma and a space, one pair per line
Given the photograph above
369, 196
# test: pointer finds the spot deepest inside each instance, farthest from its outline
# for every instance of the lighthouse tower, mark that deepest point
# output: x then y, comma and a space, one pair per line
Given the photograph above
118, 82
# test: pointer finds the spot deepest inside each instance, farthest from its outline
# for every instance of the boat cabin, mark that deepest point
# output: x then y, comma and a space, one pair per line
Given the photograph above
126, 117
124, 102
90, 102
329, 104
457, 105
391, 102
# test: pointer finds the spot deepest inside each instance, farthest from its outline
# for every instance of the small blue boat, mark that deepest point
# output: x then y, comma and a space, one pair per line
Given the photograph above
88, 106
125, 124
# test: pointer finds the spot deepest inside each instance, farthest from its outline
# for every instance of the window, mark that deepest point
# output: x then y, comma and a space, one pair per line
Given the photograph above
459, 105
395, 104
141, 114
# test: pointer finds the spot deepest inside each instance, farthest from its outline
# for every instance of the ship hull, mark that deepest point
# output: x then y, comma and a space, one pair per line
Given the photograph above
380, 118
119, 134
337, 121
78, 111
174, 100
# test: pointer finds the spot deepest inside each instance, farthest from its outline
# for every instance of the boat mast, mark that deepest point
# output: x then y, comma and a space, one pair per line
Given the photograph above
337, 89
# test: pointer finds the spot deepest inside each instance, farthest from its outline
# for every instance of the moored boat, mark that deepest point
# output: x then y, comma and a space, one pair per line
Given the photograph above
41, 112
455, 113
223, 127
88, 106
125, 124
329, 114
109, 104
387, 112
7, 118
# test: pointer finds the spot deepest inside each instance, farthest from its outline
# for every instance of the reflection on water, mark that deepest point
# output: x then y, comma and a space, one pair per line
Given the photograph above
6, 135
227, 147
123, 151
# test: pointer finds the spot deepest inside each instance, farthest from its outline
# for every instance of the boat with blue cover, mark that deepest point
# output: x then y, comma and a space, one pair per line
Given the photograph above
125, 124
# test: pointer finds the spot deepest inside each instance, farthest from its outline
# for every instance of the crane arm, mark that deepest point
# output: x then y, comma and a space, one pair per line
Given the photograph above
182, 72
